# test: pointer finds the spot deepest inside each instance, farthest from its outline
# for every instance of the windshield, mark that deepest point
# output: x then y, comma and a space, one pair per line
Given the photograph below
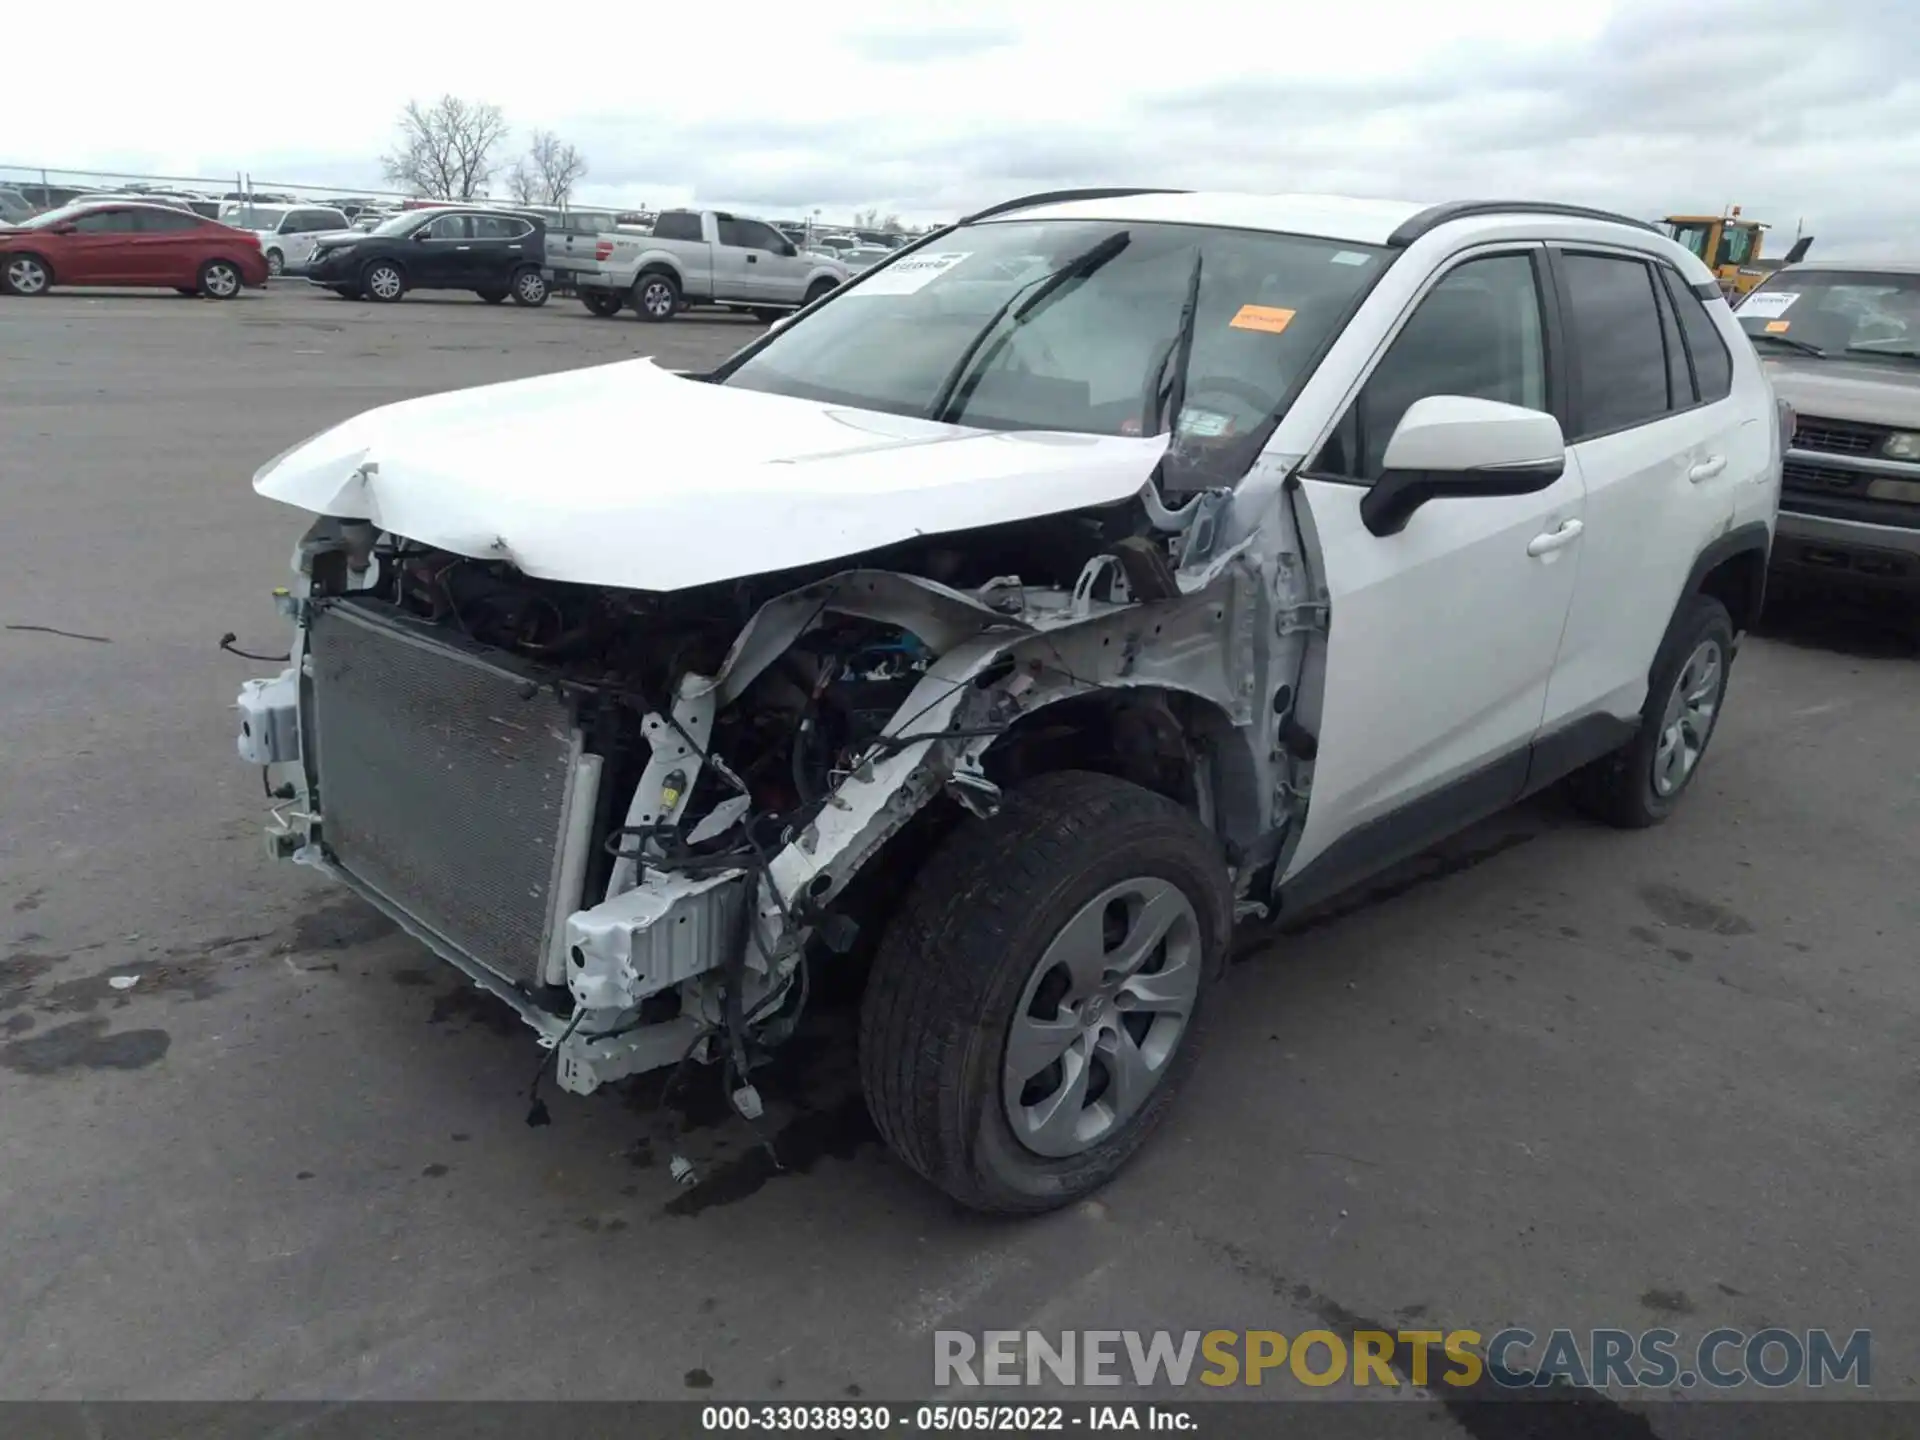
1828, 312
1075, 325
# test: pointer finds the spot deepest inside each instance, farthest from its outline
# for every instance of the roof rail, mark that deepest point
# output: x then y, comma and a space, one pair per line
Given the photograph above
1055, 197
1434, 216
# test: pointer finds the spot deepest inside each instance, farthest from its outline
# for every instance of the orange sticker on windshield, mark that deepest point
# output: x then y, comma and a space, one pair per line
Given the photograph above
1261, 317
1779, 327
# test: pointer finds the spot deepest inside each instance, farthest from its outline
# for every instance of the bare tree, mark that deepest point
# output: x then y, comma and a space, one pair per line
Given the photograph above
873, 220
523, 185
446, 150
556, 167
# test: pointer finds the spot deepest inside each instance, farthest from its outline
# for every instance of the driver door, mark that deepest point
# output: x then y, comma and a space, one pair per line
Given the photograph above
441, 252
1442, 637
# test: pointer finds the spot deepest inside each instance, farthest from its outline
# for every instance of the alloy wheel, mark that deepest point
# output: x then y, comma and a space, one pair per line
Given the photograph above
384, 282
1687, 722
26, 276
656, 298
1101, 1016
222, 280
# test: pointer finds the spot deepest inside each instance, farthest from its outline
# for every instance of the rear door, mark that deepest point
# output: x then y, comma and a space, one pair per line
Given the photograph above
499, 248
1662, 446
170, 245
736, 264
1443, 637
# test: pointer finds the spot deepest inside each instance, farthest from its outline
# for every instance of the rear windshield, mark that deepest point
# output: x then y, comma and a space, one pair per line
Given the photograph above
1856, 313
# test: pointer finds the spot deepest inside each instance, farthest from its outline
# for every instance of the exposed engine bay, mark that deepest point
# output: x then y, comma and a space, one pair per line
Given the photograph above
639, 818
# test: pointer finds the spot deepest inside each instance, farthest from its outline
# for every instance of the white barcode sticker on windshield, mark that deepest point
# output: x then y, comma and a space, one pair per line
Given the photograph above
1350, 257
1766, 304
908, 274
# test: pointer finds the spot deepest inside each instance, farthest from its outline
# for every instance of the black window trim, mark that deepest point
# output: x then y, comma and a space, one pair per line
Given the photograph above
1557, 248
1552, 345
1669, 309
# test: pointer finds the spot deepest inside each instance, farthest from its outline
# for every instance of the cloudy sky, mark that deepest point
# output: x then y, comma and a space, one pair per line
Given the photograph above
1795, 110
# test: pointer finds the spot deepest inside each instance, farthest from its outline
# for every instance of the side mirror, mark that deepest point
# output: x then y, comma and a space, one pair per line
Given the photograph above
1454, 446
788, 249
421, 235
66, 227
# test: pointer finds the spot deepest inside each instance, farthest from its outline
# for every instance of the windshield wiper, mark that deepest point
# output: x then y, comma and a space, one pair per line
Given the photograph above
1022, 303
1905, 353
1802, 346
1168, 393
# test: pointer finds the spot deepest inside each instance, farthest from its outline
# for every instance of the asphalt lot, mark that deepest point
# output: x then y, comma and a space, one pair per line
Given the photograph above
1552, 1075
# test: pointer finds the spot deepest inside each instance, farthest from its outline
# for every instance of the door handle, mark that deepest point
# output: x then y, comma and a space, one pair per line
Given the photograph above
753, 259
1555, 539
1707, 468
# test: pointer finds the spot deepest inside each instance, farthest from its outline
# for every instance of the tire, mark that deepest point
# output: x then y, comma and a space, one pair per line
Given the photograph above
26, 275
276, 264
604, 303
384, 281
492, 297
530, 288
220, 280
768, 317
820, 288
1642, 783
656, 296
972, 961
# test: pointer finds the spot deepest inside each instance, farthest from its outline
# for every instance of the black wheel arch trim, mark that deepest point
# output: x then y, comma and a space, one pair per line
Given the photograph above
1754, 537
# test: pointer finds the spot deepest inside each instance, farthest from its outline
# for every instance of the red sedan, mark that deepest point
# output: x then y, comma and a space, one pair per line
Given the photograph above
93, 242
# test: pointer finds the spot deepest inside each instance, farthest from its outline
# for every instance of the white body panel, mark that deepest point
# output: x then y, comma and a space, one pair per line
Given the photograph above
734, 482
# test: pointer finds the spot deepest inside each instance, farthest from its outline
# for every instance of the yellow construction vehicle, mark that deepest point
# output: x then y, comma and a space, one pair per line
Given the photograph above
1731, 247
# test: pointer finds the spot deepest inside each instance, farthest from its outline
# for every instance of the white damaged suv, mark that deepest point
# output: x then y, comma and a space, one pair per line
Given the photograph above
1096, 572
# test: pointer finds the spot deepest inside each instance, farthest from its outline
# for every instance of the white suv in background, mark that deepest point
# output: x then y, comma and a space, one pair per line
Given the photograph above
1096, 571
287, 232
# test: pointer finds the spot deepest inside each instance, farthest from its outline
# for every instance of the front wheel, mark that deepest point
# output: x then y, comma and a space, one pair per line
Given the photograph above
27, 275
383, 281
1641, 783
1035, 1002
220, 279
604, 303
656, 297
820, 289
529, 288
276, 264
768, 317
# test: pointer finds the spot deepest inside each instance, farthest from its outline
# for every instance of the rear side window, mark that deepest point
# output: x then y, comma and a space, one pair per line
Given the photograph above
152, 221
1617, 342
106, 222
1712, 364
1679, 377
678, 225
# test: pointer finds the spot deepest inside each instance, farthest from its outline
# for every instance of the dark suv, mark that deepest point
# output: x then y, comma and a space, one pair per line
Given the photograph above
1841, 344
496, 254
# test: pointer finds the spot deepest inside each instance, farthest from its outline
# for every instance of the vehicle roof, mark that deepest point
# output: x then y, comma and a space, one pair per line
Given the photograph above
1331, 217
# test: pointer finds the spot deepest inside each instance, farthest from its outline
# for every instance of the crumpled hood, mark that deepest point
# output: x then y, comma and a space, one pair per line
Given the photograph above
1869, 392
631, 476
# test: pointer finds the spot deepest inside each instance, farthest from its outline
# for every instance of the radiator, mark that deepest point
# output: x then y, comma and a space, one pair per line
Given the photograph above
442, 783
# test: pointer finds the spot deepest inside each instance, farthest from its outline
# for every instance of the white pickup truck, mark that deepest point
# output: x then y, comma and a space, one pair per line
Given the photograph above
703, 257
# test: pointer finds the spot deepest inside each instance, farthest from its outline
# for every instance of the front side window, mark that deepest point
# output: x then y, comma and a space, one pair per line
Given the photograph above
1693, 236
759, 236
1736, 245
449, 227
1100, 327
1857, 313
1617, 340
106, 222
1476, 333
